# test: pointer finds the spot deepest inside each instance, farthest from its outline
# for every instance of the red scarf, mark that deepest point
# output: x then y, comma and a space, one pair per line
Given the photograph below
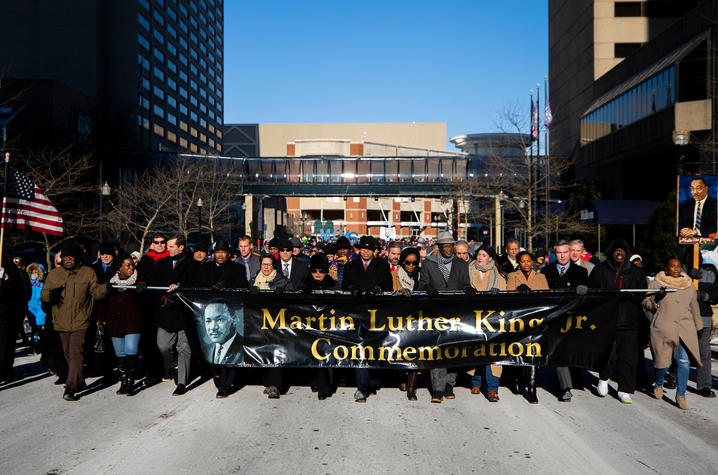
156, 257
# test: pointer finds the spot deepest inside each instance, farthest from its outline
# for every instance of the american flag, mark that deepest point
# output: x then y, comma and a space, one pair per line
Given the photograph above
25, 206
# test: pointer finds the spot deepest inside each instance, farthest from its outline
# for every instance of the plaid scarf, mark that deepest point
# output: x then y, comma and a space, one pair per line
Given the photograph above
445, 266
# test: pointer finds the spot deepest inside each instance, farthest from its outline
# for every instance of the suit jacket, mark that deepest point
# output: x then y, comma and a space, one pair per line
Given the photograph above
709, 215
297, 274
573, 277
535, 281
170, 314
253, 263
233, 274
376, 274
585, 264
430, 275
234, 355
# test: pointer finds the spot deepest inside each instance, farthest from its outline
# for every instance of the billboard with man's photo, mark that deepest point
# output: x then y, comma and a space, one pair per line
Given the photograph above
697, 209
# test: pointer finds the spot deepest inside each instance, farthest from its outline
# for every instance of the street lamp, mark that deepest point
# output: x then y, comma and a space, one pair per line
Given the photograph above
199, 214
681, 138
105, 190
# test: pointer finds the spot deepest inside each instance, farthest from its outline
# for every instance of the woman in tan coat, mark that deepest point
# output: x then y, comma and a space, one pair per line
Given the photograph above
405, 279
525, 278
486, 275
674, 328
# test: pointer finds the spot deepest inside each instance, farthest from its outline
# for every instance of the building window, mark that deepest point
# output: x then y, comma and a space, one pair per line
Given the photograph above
157, 16
146, 83
183, 43
183, 92
158, 36
145, 4
624, 50
183, 76
159, 130
193, 84
143, 22
183, 109
158, 73
171, 48
182, 10
193, 101
171, 119
183, 59
172, 31
159, 92
183, 142
193, 116
183, 126
158, 110
171, 66
172, 136
158, 54
171, 13
171, 101
143, 42
193, 38
627, 9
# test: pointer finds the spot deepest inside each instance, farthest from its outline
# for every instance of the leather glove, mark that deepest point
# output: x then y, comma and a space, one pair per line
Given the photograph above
470, 291
56, 298
694, 273
356, 291
279, 290
581, 290
140, 287
376, 290
254, 290
432, 292
111, 289
524, 288
494, 291
218, 285
660, 294
405, 292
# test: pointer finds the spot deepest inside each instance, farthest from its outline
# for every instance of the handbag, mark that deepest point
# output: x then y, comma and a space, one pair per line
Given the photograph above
99, 345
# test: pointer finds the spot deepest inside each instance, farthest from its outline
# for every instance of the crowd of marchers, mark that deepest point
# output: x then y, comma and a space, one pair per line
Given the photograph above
92, 314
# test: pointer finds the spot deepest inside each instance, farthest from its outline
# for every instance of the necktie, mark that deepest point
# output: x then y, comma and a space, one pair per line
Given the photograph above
698, 216
365, 265
174, 263
562, 270
286, 270
216, 356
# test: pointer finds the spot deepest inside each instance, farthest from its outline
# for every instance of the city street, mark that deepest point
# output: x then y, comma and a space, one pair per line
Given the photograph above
154, 432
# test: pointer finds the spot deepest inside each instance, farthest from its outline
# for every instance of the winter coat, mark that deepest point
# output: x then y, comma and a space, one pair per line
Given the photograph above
535, 280
170, 314
375, 275
677, 318
34, 305
574, 276
11, 292
325, 284
233, 275
612, 275
124, 313
79, 294
279, 282
431, 275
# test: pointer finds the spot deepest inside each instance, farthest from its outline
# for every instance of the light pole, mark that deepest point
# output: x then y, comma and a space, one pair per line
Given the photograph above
681, 138
199, 215
105, 190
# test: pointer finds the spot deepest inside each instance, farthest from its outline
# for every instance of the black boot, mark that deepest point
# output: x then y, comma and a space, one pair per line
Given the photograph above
121, 365
533, 399
130, 368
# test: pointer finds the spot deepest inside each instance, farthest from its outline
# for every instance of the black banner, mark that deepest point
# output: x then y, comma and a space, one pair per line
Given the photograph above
334, 329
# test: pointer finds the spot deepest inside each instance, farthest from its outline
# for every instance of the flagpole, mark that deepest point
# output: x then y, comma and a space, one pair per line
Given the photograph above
537, 169
529, 229
4, 196
545, 155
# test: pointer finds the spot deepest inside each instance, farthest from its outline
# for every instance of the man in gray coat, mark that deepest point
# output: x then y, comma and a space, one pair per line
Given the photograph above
444, 271
247, 257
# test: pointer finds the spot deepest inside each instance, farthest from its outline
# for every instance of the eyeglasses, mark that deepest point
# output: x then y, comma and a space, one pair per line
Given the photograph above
159, 242
409, 263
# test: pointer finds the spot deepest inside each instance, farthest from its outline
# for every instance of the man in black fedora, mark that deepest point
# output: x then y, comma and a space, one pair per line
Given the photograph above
366, 275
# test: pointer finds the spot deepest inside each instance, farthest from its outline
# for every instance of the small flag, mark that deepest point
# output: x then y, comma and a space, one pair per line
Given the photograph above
25, 206
534, 120
547, 117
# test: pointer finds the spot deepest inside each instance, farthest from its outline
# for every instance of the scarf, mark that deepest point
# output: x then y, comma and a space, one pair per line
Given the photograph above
262, 281
486, 277
680, 283
117, 280
156, 257
445, 266
405, 280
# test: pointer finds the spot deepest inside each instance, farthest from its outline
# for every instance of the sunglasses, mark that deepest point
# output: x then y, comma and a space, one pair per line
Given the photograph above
285, 250
159, 242
409, 263
318, 271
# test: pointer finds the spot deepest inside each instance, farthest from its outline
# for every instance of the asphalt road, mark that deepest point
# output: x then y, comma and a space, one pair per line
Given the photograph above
154, 432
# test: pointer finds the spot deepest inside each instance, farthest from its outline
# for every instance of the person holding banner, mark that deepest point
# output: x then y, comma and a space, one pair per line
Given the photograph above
674, 328
269, 278
319, 279
526, 279
406, 280
617, 273
444, 271
366, 275
486, 275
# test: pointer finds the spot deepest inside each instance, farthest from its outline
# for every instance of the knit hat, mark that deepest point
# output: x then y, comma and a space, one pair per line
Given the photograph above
71, 249
343, 243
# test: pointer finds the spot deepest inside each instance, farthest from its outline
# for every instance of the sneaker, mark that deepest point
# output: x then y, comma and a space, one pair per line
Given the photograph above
602, 387
625, 398
565, 396
179, 390
658, 392
493, 396
437, 397
359, 396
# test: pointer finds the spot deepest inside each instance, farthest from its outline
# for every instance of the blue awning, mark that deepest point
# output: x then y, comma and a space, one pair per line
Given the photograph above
617, 211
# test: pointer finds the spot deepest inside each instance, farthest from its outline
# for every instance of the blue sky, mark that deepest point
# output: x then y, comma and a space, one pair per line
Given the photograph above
459, 62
